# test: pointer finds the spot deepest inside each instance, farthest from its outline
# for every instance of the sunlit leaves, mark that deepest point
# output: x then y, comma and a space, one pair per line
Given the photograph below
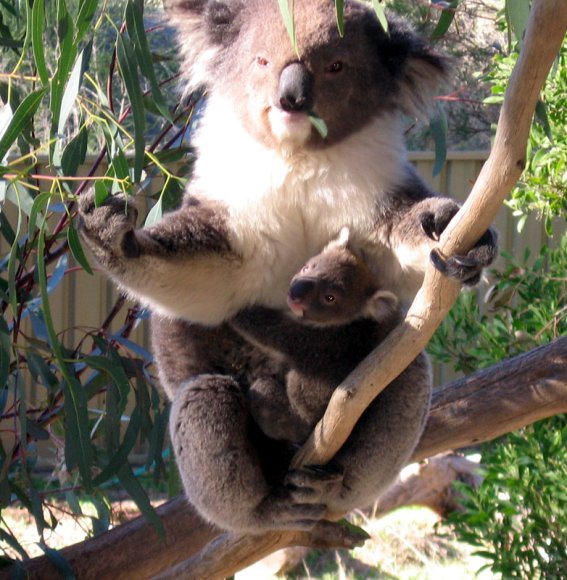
59, 102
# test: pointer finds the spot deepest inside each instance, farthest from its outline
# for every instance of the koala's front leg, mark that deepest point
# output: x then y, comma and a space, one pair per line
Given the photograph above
273, 413
414, 237
182, 266
110, 230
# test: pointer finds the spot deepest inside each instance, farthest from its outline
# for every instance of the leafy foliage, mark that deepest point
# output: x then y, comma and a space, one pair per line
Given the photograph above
527, 307
543, 184
77, 76
518, 517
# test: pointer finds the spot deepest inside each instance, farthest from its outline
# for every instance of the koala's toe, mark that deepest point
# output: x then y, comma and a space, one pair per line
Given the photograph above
315, 475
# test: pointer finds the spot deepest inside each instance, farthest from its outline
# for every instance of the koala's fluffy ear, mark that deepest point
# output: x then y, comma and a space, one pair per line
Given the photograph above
418, 70
382, 305
204, 28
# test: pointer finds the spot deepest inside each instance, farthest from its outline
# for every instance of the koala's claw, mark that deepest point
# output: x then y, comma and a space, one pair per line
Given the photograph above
462, 268
315, 483
287, 508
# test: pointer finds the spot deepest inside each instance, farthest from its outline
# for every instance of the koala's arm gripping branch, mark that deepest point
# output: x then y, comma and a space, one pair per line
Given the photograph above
544, 35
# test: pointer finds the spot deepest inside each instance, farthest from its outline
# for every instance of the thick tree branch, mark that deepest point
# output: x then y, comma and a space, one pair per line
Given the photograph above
544, 36
485, 405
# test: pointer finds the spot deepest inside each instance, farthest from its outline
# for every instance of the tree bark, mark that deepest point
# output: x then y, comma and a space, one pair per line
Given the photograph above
478, 408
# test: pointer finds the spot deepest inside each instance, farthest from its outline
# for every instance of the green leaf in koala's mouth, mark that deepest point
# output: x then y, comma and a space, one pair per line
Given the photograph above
319, 124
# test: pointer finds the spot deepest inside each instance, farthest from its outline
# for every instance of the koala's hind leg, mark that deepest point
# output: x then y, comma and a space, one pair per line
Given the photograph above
383, 440
219, 465
272, 411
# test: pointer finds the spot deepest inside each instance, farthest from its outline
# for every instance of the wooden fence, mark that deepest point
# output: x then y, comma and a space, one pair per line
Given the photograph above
83, 301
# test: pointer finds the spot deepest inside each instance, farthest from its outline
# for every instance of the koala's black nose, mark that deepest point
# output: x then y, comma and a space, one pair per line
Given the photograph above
300, 289
295, 91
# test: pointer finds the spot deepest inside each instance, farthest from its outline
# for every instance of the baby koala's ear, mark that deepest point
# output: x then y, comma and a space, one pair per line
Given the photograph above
340, 242
382, 305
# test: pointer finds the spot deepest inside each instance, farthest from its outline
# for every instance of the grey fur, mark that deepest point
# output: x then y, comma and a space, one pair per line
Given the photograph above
341, 314
258, 208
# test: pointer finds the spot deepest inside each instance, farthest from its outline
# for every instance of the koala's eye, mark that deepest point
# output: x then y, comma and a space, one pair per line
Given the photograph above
329, 298
336, 67
262, 62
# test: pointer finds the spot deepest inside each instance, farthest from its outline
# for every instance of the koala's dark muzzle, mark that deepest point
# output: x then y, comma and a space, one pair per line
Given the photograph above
295, 90
301, 289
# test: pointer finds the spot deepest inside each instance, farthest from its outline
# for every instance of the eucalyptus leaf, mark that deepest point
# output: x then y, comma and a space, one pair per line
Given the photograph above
77, 249
129, 70
38, 26
138, 494
286, 9
438, 127
22, 116
319, 124
340, 11
380, 14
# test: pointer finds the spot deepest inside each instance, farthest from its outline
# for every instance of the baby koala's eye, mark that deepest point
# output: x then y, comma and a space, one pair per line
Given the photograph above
329, 298
336, 67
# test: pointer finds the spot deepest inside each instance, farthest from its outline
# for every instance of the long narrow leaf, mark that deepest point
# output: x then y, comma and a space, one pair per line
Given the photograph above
380, 14
517, 15
78, 449
286, 9
129, 71
5, 352
84, 18
120, 458
67, 56
73, 86
38, 26
445, 20
137, 493
136, 29
59, 562
23, 115
77, 249
340, 11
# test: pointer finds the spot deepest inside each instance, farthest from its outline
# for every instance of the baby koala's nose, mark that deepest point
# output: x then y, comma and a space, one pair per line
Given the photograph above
300, 289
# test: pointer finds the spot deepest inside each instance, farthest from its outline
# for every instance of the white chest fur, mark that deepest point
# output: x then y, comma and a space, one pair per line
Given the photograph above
285, 206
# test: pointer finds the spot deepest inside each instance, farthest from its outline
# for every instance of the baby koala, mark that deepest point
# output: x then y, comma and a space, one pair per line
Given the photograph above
338, 315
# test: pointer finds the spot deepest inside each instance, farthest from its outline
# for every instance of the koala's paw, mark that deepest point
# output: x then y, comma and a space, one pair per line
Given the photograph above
299, 503
319, 482
289, 508
110, 226
466, 269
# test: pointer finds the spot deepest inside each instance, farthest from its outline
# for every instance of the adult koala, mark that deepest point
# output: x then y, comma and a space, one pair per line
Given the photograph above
268, 192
